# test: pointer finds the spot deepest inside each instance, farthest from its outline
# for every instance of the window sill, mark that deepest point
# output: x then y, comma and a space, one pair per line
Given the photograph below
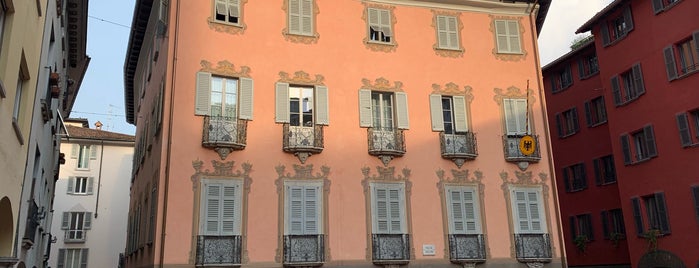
374, 42
78, 194
82, 169
18, 132
587, 76
597, 124
626, 102
686, 74
617, 40
518, 53
693, 145
238, 25
559, 90
607, 183
640, 161
567, 135
448, 49
74, 241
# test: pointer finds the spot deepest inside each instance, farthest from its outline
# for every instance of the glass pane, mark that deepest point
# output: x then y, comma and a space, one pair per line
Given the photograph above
307, 99
307, 120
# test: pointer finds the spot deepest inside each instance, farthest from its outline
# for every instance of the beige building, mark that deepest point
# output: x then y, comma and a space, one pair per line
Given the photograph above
42, 64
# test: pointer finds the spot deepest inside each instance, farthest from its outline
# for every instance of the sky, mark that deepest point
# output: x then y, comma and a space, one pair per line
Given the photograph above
101, 95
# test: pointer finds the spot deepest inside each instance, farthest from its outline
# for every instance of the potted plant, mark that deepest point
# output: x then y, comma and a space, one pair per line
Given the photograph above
615, 237
652, 236
580, 242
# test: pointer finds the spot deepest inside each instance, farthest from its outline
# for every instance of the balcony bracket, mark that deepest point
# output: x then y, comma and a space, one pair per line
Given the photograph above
303, 156
385, 159
523, 166
469, 264
459, 162
535, 264
222, 152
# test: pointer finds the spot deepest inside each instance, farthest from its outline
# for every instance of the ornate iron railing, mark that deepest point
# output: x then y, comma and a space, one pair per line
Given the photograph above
512, 152
391, 248
225, 132
32, 221
218, 250
303, 139
461, 145
466, 248
533, 247
75, 236
386, 142
304, 250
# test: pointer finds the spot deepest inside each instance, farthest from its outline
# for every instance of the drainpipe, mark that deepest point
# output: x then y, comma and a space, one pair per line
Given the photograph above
99, 178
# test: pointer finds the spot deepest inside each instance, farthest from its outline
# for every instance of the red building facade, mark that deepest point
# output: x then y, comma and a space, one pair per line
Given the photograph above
647, 58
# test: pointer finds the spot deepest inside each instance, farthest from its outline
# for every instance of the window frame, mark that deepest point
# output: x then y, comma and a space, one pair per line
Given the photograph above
651, 211
660, 6
76, 262
511, 38
458, 112
244, 97
678, 54
74, 223
688, 128
380, 36
515, 210
588, 66
476, 209
239, 18
605, 170
237, 209
402, 214
448, 37
575, 177
581, 225
595, 112
628, 85
568, 123
624, 20
317, 187
302, 14
613, 224
521, 128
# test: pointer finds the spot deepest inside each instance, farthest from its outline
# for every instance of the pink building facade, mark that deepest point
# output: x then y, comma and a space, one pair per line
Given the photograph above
344, 133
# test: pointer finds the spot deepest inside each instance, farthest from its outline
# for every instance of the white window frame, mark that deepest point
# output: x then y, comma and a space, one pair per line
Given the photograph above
318, 108
300, 21
530, 221
375, 206
224, 93
237, 184
475, 221
379, 21
458, 113
74, 223
448, 32
80, 185
244, 95
72, 258
316, 214
518, 113
228, 5
507, 41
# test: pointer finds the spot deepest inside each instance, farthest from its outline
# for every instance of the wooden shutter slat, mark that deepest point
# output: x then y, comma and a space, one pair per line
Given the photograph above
638, 79
321, 101
294, 16
83, 257
590, 228
229, 210
695, 194
203, 94
442, 32
402, 119
282, 103
87, 221
576, 123
61, 258
598, 171
246, 98
365, 114
456, 211
626, 148
71, 185
559, 125
74, 151
695, 36
616, 90
510, 116
90, 184
212, 213
638, 220
381, 204
683, 126
453, 32
566, 179
65, 221
385, 22
670, 65
662, 213
501, 36
650, 140
513, 32
436, 112
234, 8
460, 117
307, 17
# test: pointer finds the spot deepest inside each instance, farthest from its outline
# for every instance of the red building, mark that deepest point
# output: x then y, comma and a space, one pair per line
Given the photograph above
626, 108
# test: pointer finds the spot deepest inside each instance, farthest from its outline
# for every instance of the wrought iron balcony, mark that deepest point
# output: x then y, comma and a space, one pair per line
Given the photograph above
512, 152
218, 250
224, 132
75, 236
466, 248
304, 250
390, 248
303, 139
460, 145
32, 224
386, 142
533, 247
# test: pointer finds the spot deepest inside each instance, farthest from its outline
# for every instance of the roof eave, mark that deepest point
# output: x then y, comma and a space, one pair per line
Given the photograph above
138, 29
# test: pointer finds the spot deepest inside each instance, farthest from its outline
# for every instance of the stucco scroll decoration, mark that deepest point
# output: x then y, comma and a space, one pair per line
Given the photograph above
453, 89
449, 53
229, 28
382, 84
225, 68
503, 56
513, 92
374, 45
221, 169
302, 39
302, 78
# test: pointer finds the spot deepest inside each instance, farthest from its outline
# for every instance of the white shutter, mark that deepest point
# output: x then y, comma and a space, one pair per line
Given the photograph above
282, 103
365, 115
462, 210
380, 202
436, 112
511, 124
513, 36
374, 22
71, 185
74, 151
501, 36
402, 120
521, 214
442, 33
385, 17
61, 258
455, 212
87, 221
90, 184
528, 211
388, 209
311, 210
294, 16
453, 32
234, 8
83, 257
246, 98
203, 94
212, 216
307, 17
395, 211
65, 221
93, 151
229, 210
535, 212
321, 100
460, 117
295, 213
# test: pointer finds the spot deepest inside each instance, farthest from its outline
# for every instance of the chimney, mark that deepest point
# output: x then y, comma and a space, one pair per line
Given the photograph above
98, 125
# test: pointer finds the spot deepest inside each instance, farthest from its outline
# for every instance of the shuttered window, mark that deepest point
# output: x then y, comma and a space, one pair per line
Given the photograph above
662, 5
227, 11
75, 225
628, 86
220, 207
380, 26
605, 171
695, 194
682, 58
383, 110
613, 224
303, 213
80, 185
224, 96
595, 112
448, 32
575, 178
642, 148
567, 122
507, 36
581, 225
72, 258
463, 210
83, 153
515, 116
301, 106
448, 113
388, 208
527, 210
300, 17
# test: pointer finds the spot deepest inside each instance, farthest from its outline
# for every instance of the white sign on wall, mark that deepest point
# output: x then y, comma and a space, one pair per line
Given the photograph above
428, 250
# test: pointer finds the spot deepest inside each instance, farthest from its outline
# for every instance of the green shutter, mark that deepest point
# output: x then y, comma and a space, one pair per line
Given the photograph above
90, 184
436, 112
281, 114
203, 94
460, 117
246, 98
402, 119
605, 224
322, 107
588, 115
365, 114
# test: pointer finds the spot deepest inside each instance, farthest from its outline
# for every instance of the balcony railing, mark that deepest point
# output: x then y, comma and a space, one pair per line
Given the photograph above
460, 145
218, 250
224, 132
512, 152
386, 142
32, 223
304, 250
466, 248
303, 139
390, 248
533, 247
75, 236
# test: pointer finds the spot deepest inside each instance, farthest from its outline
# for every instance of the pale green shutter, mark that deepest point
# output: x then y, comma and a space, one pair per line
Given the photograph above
90, 184
74, 151
460, 117
402, 120
295, 210
307, 17
501, 36
65, 221
229, 210
453, 32
381, 212
436, 112
365, 115
395, 210
456, 214
212, 216
282, 103
513, 36
71, 185
87, 221
321, 102
522, 213
246, 98
83, 257
385, 18
203, 94
294, 16
311, 210
442, 33
536, 221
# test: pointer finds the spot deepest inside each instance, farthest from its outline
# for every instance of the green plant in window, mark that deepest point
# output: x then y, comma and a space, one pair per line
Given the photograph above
652, 237
580, 242
615, 237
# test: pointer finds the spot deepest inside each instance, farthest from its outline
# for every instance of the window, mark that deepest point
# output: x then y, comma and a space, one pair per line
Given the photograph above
605, 172
388, 208
463, 210
613, 224
527, 210
383, 111
300, 17
682, 58
295, 105
447, 32
688, 122
72, 257
227, 11
83, 154
380, 25
220, 208
581, 226
662, 5
224, 97
507, 37
80, 185
76, 225
18, 98
516, 123
303, 215
567, 122
595, 112
588, 66
643, 145
617, 28
562, 80
448, 113
628, 86
153, 214
650, 211
575, 178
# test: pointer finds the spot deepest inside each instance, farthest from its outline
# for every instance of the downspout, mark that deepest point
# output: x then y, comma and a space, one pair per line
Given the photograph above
544, 113
99, 178
169, 134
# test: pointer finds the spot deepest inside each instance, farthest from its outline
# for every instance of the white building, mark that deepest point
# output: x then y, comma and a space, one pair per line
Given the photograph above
92, 193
